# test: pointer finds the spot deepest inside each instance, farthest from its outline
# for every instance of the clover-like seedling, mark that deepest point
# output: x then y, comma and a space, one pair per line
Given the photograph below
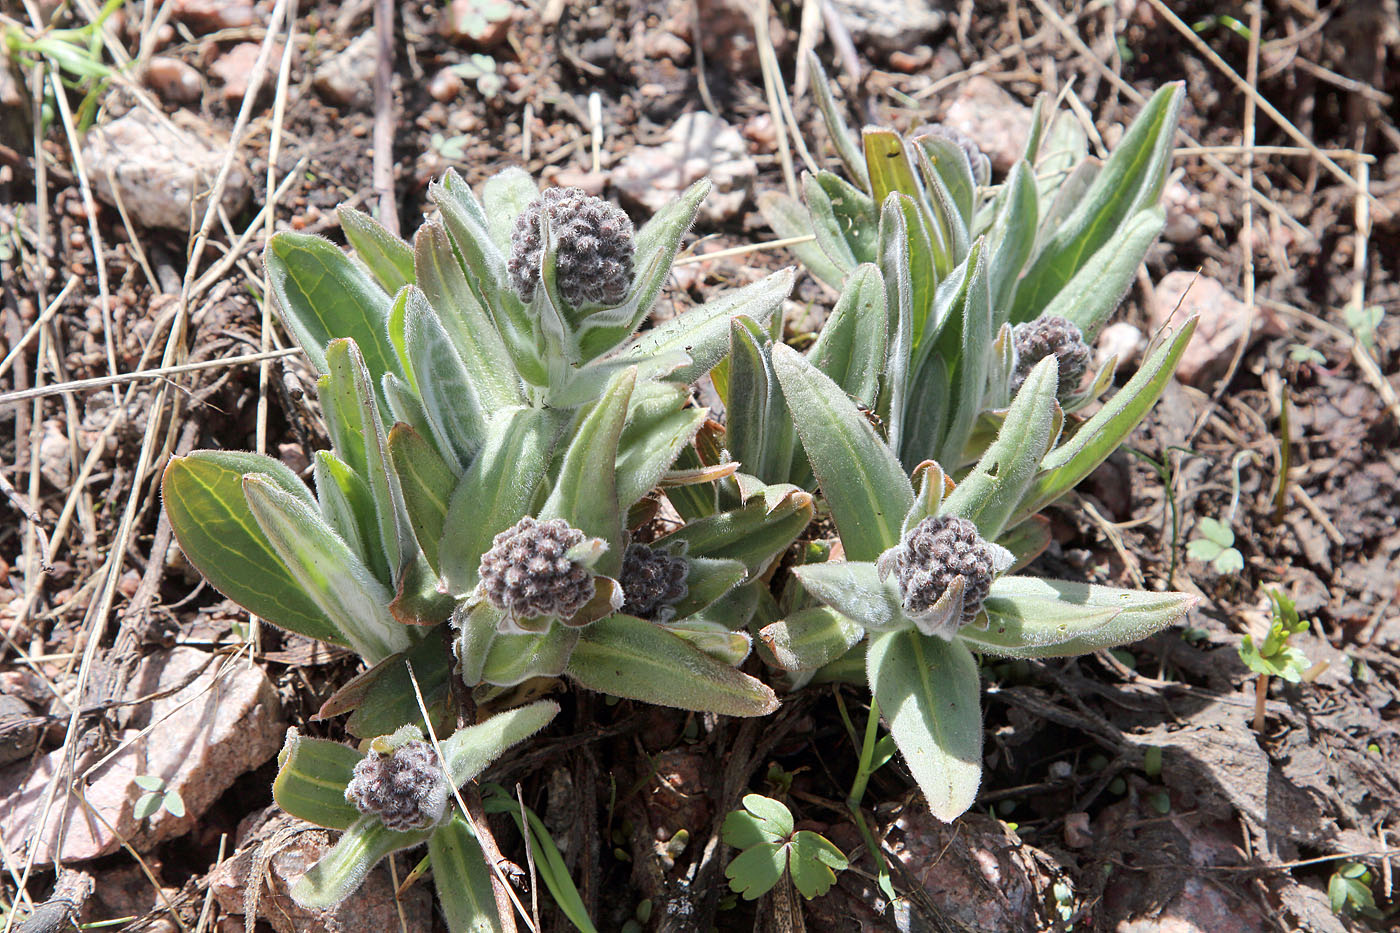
1349, 891
1216, 546
156, 797
763, 832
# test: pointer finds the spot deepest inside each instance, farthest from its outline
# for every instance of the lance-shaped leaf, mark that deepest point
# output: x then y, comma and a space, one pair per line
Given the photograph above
629, 657
863, 483
653, 438
713, 638
585, 493
311, 779
949, 164
1032, 626
348, 507
427, 483
498, 489
989, 495
467, 752
850, 348
965, 336
469, 325
703, 333
856, 214
1011, 239
1131, 179
1076, 458
900, 267
708, 580
826, 226
325, 567
847, 148
855, 590
811, 638
203, 495
455, 412
357, 435
1138, 613
754, 535
790, 220
759, 430
343, 869
1097, 289
389, 259
929, 694
462, 879
657, 244
323, 294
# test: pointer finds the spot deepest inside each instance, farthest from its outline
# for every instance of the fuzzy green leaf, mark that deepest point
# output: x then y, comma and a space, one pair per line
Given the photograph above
860, 478
311, 779
341, 870
1098, 288
811, 638
850, 348
929, 693
1139, 613
789, 220
427, 483
462, 879
639, 660
203, 495
754, 534
389, 259
855, 590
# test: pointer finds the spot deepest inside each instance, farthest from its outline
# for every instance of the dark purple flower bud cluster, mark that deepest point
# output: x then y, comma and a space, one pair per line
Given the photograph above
1046, 336
652, 581
593, 264
527, 572
934, 554
406, 788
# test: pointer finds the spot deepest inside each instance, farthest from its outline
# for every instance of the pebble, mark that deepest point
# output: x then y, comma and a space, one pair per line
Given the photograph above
205, 16
235, 69
699, 145
347, 78
1223, 320
890, 25
996, 121
174, 80
445, 86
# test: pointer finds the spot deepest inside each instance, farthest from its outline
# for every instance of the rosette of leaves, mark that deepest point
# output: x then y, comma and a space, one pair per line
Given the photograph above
312, 780
454, 408
950, 290
920, 654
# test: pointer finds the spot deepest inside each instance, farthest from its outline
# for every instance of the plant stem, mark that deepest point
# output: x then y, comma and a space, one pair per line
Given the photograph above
1261, 693
863, 772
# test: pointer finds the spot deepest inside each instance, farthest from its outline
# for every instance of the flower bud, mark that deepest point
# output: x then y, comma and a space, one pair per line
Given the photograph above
593, 264
652, 581
981, 165
1035, 340
931, 557
405, 788
527, 571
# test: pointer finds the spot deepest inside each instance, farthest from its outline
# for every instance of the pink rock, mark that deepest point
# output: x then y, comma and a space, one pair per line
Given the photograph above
204, 16
996, 121
162, 173
174, 80
1201, 907
699, 145
226, 720
347, 77
1224, 319
236, 66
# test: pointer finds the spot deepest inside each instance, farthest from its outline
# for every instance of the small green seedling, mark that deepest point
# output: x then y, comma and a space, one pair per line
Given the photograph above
475, 20
763, 830
1363, 321
1349, 891
481, 68
1216, 546
1275, 657
157, 797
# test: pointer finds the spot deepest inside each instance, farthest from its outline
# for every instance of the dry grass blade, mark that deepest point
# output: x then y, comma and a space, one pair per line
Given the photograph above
98, 382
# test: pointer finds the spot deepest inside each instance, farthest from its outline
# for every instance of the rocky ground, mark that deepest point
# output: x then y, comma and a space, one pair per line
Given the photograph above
1126, 791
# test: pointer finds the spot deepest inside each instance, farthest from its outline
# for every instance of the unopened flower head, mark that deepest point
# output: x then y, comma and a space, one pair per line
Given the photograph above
652, 582
593, 264
527, 572
1035, 340
931, 557
405, 788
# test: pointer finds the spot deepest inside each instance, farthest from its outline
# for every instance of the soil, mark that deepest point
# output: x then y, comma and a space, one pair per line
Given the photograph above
1124, 791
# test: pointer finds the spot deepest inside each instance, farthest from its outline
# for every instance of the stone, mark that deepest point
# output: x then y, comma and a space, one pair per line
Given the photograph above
480, 23
699, 145
19, 729
1224, 319
445, 86
1183, 213
1122, 340
890, 25
298, 846
204, 16
347, 77
223, 721
174, 80
996, 121
162, 173
235, 69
